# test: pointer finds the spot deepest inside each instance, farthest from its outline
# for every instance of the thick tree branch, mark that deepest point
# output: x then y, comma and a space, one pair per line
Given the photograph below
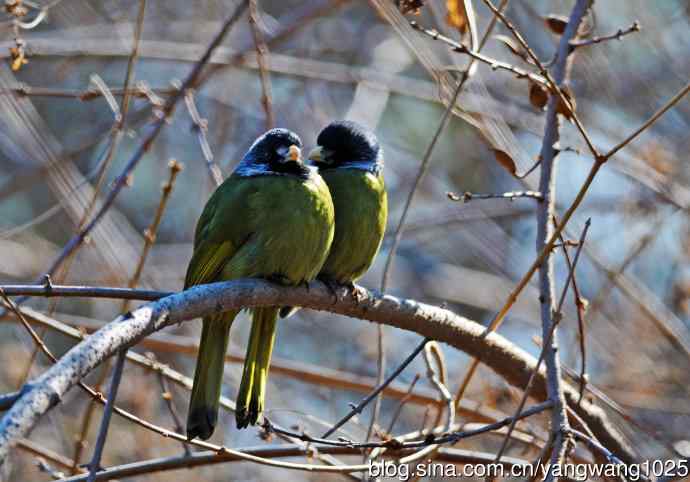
512, 363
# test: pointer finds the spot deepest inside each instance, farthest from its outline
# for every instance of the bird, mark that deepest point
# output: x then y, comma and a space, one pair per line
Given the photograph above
272, 218
350, 160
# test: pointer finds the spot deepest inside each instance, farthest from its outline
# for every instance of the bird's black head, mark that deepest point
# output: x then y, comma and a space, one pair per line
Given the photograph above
349, 145
278, 151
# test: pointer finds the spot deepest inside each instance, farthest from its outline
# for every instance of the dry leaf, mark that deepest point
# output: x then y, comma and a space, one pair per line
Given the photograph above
457, 16
410, 6
505, 160
18, 58
556, 23
538, 96
16, 8
563, 108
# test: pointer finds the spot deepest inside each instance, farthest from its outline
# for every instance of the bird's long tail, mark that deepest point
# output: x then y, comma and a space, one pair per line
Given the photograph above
250, 399
208, 377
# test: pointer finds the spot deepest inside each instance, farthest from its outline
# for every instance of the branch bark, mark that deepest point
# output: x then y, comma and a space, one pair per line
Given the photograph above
545, 212
499, 354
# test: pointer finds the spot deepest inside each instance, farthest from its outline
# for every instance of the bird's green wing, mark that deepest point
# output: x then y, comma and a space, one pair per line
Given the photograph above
222, 229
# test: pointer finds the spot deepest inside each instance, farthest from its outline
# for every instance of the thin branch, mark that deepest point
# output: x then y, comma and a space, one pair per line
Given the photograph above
429, 440
95, 463
597, 447
491, 62
635, 27
170, 403
150, 232
469, 196
84, 95
528, 387
205, 458
398, 410
545, 211
262, 60
71, 291
201, 127
673, 101
580, 305
498, 353
366, 400
42, 452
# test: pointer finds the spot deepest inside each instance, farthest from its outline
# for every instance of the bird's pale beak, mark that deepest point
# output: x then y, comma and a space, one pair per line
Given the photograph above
294, 154
316, 154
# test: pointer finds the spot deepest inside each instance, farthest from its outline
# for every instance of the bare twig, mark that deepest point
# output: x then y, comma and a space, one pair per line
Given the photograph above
396, 412
635, 27
429, 440
205, 458
70, 291
44, 453
150, 232
528, 387
475, 55
262, 59
469, 196
673, 101
201, 128
169, 402
545, 212
366, 400
95, 463
581, 308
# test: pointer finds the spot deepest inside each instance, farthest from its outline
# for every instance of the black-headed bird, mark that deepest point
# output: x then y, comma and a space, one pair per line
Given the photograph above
350, 160
272, 218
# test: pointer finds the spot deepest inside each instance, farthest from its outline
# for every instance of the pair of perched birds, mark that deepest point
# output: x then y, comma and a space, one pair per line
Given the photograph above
277, 218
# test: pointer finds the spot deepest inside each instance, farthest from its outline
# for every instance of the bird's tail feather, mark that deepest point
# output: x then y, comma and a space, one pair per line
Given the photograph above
251, 396
208, 376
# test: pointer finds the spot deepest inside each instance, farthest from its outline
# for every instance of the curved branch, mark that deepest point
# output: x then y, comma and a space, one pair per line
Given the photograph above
499, 354
205, 458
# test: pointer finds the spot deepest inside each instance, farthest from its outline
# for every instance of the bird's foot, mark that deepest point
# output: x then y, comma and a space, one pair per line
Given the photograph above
332, 286
357, 292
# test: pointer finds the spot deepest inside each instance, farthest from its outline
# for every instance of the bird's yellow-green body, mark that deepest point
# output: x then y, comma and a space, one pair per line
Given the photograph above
361, 210
258, 223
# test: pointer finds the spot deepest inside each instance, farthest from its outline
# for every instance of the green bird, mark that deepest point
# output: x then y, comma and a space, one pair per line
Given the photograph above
272, 218
350, 160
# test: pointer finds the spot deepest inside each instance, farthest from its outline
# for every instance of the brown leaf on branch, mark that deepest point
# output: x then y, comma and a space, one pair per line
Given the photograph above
563, 107
505, 160
538, 96
556, 23
457, 15
410, 6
